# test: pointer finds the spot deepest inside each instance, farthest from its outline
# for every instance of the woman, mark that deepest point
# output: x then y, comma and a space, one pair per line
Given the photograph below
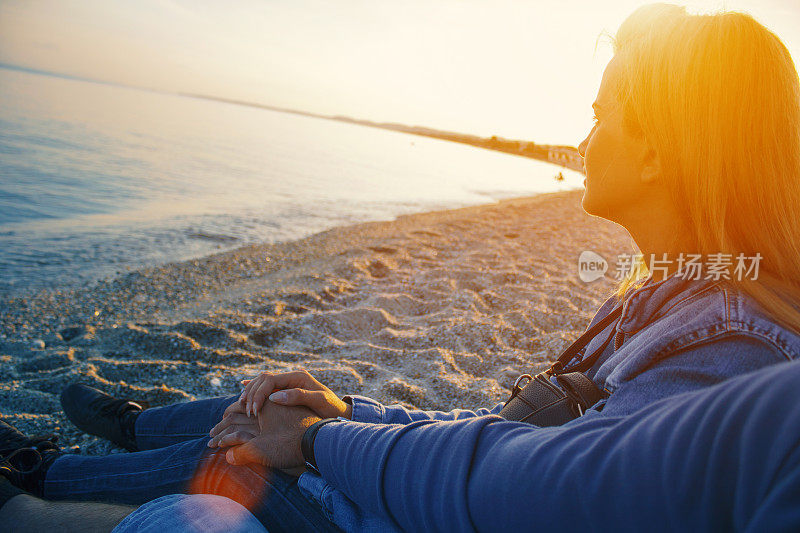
696, 150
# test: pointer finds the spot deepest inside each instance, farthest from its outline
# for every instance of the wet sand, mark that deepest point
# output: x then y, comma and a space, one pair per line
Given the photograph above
434, 311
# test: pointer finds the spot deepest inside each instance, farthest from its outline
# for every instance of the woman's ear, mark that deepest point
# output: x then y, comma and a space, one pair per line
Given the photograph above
651, 166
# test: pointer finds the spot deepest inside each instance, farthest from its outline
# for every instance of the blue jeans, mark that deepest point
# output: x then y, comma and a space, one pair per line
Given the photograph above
175, 458
198, 513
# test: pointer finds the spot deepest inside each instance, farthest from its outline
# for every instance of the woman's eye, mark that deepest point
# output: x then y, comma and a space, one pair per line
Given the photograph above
595, 120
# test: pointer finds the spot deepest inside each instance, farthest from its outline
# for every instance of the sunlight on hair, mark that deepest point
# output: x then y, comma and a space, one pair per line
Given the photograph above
717, 97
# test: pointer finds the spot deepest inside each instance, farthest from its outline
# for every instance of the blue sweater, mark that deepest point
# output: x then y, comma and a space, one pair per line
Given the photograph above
724, 458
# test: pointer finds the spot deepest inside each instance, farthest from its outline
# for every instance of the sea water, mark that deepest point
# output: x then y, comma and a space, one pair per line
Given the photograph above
98, 179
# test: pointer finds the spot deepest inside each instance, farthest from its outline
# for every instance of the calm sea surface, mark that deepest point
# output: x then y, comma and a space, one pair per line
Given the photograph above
97, 180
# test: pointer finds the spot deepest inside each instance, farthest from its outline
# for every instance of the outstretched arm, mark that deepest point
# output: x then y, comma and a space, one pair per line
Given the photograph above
722, 458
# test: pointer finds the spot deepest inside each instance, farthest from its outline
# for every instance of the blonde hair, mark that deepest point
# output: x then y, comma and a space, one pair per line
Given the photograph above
717, 96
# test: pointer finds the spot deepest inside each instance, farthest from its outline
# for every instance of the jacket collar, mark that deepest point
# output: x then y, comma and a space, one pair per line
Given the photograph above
652, 299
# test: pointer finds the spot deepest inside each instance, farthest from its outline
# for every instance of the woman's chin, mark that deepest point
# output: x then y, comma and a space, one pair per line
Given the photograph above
588, 205
585, 201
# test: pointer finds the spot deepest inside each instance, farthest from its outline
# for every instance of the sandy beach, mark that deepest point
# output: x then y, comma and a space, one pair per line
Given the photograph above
434, 311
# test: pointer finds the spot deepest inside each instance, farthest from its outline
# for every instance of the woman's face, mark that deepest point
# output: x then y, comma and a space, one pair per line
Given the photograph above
614, 161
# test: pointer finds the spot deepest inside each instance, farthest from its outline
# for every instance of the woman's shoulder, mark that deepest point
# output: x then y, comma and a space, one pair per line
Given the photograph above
690, 339
712, 311
745, 315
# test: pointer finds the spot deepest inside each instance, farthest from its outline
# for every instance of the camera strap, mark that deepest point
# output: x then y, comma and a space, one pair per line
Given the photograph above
539, 401
586, 363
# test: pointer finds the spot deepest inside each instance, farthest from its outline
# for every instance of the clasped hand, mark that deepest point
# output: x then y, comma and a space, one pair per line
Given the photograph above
267, 422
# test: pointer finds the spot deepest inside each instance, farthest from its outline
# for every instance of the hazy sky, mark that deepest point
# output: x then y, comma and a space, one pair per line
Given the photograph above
524, 69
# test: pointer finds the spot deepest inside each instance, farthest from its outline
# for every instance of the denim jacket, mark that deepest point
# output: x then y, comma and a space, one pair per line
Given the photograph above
674, 335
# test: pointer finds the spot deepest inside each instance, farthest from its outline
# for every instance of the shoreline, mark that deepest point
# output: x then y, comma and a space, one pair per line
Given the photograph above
432, 310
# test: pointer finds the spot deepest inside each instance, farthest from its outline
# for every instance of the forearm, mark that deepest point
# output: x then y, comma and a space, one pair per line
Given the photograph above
486, 474
474, 474
370, 411
413, 495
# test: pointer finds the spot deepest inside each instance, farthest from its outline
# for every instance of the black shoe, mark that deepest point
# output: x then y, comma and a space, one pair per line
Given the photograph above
12, 439
25, 459
97, 413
